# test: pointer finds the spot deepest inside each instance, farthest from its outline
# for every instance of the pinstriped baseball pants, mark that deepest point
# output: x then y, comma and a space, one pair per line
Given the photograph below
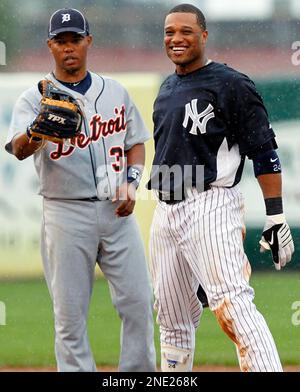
197, 241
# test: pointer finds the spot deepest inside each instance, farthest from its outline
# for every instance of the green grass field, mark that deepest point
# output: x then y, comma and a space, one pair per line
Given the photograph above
27, 338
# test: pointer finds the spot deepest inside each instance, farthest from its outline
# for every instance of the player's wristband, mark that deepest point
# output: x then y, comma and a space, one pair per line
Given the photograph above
274, 206
34, 138
134, 175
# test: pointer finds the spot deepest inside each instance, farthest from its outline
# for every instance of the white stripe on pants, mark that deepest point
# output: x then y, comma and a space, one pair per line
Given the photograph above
196, 241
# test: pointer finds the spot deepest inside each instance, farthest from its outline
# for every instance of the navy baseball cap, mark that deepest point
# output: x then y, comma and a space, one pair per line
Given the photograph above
68, 19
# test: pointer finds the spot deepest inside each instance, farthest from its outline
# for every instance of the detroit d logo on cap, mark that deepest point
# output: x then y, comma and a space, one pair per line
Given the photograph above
65, 18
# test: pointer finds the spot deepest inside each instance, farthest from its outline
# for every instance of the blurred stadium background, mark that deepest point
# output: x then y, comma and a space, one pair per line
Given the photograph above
258, 37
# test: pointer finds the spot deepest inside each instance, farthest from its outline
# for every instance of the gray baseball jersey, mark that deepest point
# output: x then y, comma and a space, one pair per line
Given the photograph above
75, 172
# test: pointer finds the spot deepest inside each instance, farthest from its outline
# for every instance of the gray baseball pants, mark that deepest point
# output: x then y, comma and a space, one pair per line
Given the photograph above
75, 236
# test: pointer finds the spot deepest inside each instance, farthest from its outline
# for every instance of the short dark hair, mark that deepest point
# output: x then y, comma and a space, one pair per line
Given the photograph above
191, 9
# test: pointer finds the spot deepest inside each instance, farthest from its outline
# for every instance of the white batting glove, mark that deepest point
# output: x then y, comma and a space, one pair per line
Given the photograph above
277, 237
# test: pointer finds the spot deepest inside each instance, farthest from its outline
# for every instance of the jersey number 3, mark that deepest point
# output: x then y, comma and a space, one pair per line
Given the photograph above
117, 152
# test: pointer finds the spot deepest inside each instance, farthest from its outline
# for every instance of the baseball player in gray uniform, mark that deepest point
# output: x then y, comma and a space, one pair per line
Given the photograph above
88, 200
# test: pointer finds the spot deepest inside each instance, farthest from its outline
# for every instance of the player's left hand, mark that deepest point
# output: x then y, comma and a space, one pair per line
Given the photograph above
277, 237
126, 195
60, 116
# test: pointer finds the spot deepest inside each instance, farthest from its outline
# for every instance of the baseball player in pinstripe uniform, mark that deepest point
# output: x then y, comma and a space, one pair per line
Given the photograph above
207, 118
88, 200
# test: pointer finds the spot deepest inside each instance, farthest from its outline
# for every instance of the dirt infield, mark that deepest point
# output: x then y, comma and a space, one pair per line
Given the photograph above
199, 369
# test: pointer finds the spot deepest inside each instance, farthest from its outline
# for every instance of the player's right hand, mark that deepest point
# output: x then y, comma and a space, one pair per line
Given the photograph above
277, 237
125, 194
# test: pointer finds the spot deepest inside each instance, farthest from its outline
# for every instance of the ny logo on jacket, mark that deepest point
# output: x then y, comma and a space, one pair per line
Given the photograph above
191, 112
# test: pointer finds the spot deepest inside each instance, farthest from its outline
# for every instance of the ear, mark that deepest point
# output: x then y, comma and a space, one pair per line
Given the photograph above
204, 36
89, 39
49, 43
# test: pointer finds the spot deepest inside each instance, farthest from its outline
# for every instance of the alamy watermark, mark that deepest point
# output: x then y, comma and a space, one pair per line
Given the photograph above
2, 313
296, 55
174, 182
2, 53
296, 315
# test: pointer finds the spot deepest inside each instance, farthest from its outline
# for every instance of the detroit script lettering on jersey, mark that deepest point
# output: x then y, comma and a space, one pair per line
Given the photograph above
98, 128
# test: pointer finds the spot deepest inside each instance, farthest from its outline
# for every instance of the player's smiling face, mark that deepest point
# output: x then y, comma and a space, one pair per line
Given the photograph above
185, 41
70, 51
